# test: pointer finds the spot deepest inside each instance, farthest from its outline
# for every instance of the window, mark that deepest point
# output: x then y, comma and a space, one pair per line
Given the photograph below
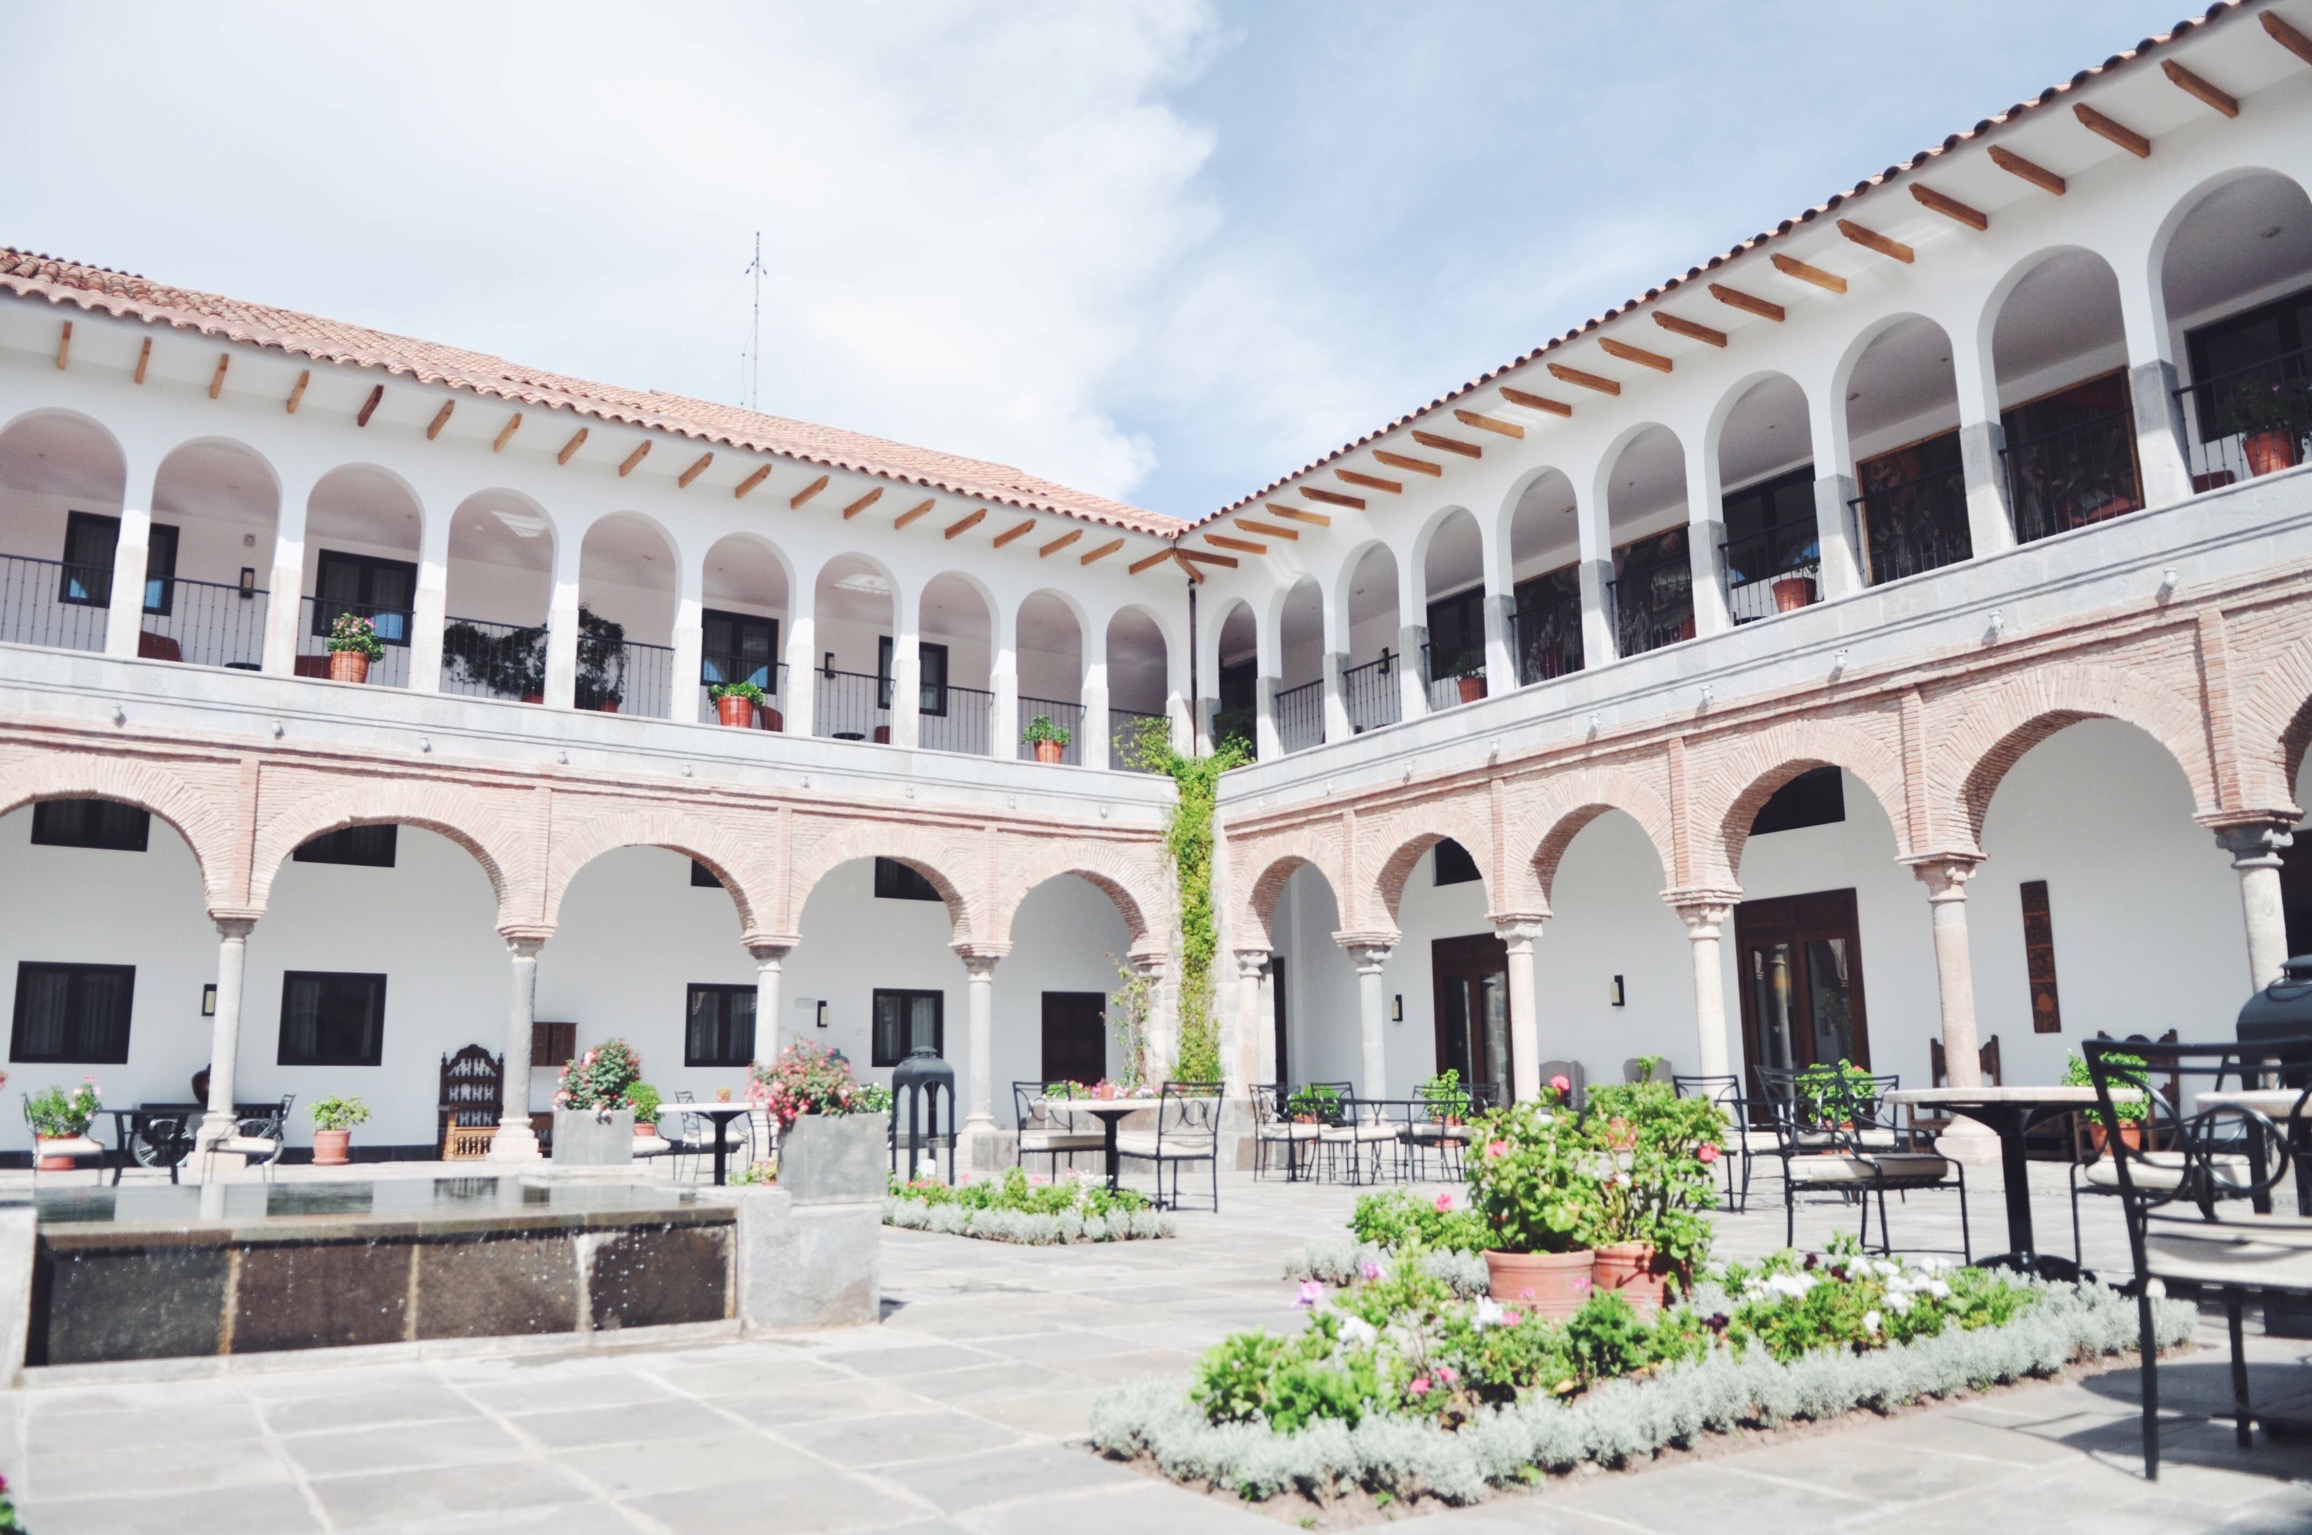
736, 647
91, 823
1454, 865
331, 1018
1549, 624
907, 1021
1238, 713
369, 847
378, 590
702, 877
2259, 341
895, 881
1770, 530
1816, 797
721, 1030
90, 542
931, 662
1456, 629
72, 1013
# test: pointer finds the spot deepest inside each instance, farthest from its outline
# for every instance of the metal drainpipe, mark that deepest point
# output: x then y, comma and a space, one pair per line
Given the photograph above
1195, 687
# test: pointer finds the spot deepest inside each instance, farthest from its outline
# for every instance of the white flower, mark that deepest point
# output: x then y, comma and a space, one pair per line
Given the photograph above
1357, 1330
1936, 1288
1789, 1286
1870, 1321
1488, 1313
1898, 1301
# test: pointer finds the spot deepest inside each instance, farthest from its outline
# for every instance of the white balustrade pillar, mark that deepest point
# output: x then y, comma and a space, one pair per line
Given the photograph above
686, 694
798, 687
1519, 933
562, 625
285, 581
429, 607
1990, 528
515, 1140
906, 688
225, 1028
1706, 535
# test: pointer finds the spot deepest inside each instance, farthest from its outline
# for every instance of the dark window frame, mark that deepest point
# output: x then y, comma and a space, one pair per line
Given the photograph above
49, 828
326, 609
1461, 617
764, 676
930, 658
906, 996
78, 1051
726, 1024
896, 881
160, 563
321, 1057
372, 846
2290, 316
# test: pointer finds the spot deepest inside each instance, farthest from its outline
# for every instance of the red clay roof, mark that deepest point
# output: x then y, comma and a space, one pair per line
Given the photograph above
333, 341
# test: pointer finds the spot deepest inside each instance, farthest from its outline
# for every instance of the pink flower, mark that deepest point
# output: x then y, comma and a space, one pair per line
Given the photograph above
1708, 1153
1495, 1150
1514, 1317
1445, 1374
1420, 1386
1444, 1203
1370, 1269
1310, 1293
1560, 1086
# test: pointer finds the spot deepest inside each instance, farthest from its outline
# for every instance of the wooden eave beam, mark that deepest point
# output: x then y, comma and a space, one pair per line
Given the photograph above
1016, 531
1791, 266
1101, 553
441, 419
1636, 354
864, 502
1298, 514
1950, 208
64, 347
1057, 544
967, 522
217, 381
747, 485
506, 432
1241, 545
2287, 36
2029, 170
1371, 481
1333, 498
1872, 240
1687, 328
2119, 133
2198, 85
144, 355
297, 393
1447, 444
920, 509
1198, 556
1269, 530
369, 408
1194, 574
641, 452
1601, 384
1149, 562
570, 448
1400, 461
1540, 402
1735, 298
1492, 424
796, 501
682, 480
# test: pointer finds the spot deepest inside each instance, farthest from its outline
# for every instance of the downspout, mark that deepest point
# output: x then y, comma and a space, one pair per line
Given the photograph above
1195, 686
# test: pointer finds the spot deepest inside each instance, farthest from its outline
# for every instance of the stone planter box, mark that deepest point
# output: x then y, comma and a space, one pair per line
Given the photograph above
589, 1138
828, 1158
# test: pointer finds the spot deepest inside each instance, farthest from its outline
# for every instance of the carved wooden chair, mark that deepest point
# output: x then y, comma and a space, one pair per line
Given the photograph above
473, 1097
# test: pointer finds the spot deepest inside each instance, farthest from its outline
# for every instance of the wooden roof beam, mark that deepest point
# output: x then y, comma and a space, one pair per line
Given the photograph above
2119, 133
2198, 85
1017, 530
746, 486
64, 347
1149, 561
1371, 481
920, 509
1447, 444
1333, 498
1194, 574
570, 448
1057, 544
641, 452
796, 501
144, 355
369, 408
1636, 354
297, 391
1602, 385
1735, 298
1101, 553
1950, 208
440, 420
864, 502
1400, 461
1242, 545
1540, 402
683, 480
1492, 424
1269, 530
1298, 514
2287, 36
2029, 170
217, 382
1791, 266
966, 523
1872, 240
1687, 328
506, 433
1225, 561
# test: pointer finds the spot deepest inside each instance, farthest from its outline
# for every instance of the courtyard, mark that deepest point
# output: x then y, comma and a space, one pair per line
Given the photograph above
966, 1409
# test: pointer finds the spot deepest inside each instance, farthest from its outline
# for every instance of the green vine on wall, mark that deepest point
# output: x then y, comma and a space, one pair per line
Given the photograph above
1188, 842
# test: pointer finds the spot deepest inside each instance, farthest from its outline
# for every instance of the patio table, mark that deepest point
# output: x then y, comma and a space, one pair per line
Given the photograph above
2010, 1113
2277, 1104
1110, 1112
722, 1114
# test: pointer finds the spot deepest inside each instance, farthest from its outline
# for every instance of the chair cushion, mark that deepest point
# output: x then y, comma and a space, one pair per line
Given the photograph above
1458, 1134
1038, 1141
1891, 1168
1140, 1144
1274, 1131
2164, 1170
1360, 1134
2255, 1251
248, 1145
68, 1146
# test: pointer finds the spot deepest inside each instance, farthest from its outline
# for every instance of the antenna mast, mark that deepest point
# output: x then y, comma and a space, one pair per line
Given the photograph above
755, 346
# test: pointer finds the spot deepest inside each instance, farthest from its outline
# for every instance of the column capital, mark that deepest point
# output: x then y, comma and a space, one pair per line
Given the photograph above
1702, 908
767, 947
1251, 964
234, 924
524, 941
2254, 838
1148, 964
980, 958
1945, 874
1519, 927
1370, 950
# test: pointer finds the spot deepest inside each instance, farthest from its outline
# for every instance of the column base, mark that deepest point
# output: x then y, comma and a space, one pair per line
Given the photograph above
514, 1142
1970, 1143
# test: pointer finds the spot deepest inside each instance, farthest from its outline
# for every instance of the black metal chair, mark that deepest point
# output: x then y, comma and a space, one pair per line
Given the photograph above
1187, 1130
1577, 1078
1745, 1142
1437, 1121
260, 1132
1273, 1127
2180, 1235
1840, 1135
1046, 1129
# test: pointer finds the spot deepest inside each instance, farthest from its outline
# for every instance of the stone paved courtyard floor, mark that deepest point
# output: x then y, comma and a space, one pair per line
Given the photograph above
964, 1411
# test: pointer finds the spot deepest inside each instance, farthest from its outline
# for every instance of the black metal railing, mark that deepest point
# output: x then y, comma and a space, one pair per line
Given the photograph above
48, 602
771, 677
1651, 608
1777, 571
1300, 716
1124, 727
207, 623
632, 677
1548, 637
2073, 476
849, 706
485, 659
955, 719
1454, 676
316, 616
1372, 693
1917, 525
1067, 716
2250, 421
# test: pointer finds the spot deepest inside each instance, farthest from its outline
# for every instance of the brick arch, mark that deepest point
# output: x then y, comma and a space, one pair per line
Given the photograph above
1133, 883
1981, 733
495, 827
737, 856
201, 813
1740, 785
2273, 728
1260, 871
1465, 818
1545, 822
941, 855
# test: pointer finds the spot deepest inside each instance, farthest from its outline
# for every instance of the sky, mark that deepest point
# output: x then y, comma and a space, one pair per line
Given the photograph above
1163, 250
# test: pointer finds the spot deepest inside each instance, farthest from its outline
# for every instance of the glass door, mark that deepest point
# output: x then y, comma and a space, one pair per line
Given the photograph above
1472, 1018
1801, 969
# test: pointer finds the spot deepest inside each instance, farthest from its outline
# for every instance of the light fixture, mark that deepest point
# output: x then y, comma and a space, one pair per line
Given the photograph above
209, 1000
1397, 1009
248, 582
1619, 997
822, 1012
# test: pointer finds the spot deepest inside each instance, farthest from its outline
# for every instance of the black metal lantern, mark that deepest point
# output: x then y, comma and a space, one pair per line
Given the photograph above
917, 1083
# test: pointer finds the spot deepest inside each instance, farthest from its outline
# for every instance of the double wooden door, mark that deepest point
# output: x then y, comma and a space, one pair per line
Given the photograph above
1800, 962
1472, 1007
1075, 1036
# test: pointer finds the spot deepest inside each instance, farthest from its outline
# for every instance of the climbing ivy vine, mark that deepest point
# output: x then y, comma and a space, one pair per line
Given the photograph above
1188, 843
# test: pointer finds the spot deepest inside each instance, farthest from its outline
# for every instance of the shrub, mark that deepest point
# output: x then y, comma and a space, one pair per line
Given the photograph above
339, 1113
1663, 1187
809, 1080
2127, 1071
1401, 1218
644, 1100
1041, 728
1019, 1208
1534, 1176
746, 690
600, 1078
57, 1113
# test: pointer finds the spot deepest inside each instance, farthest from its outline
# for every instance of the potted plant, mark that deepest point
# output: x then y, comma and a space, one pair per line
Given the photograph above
601, 663
644, 1100
1652, 1226
1468, 674
735, 703
1836, 1097
593, 1123
833, 1130
353, 644
1793, 592
1048, 739
58, 1115
2129, 1071
1315, 1104
1447, 1103
510, 665
2271, 416
1534, 1180
333, 1122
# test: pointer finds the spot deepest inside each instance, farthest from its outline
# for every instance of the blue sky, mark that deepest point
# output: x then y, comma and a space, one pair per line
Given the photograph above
1160, 249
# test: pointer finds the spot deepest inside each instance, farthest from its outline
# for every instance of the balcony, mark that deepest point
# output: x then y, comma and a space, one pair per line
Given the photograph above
1775, 571
1547, 623
1910, 526
1300, 716
1453, 676
1067, 716
1652, 605
2073, 476
2251, 421
1370, 694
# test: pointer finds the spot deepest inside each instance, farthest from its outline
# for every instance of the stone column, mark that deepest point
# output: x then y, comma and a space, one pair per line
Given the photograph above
685, 695
1705, 914
1412, 672
906, 689
1945, 876
1337, 726
515, 1140
1267, 744
1519, 932
1004, 723
225, 1028
2255, 847
285, 581
429, 605
1990, 525
1371, 951
125, 619
799, 684
1706, 535
1256, 1027
562, 623
770, 956
1158, 1031
1092, 731
979, 961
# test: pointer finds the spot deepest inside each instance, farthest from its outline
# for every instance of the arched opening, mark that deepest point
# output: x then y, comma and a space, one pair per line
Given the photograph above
873, 976
1766, 465
2236, 278
1313, 1032
1300, 695
853, 617
500, 582
743, 623
1453, 585
955, 656
1237, 677
1139, 683
362, 527
1902, 413
1451, 969
1545, 564
61, 490
1051, 670
1612, 973
1052, 992
207, 556
627, 575
1652, 593
2059, 350
1370, 686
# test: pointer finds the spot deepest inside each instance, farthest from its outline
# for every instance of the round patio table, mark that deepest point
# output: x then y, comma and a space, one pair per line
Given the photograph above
2010, 1113
722, 1114
1110, 1112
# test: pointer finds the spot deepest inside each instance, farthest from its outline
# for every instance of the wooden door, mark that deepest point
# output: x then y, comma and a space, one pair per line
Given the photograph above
1471, 980
1276, 987
1075, 1036
1800, 963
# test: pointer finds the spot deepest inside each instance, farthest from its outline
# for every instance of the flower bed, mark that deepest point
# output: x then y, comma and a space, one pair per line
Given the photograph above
1031, 1211
1400, 1387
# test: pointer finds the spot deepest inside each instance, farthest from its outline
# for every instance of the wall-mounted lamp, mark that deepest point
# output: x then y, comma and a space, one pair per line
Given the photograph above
209, 1000
822, 1012
248, 581
828, 666
1397, 1009
1619, 997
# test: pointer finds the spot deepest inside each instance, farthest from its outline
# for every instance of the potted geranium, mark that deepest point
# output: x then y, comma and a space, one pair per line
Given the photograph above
735, 703
59, 1115
2271, 416
333, 1122
1048, 739
353, 644
1534, 1180
1468, 675
2127, 1071
834, 1130
1651, 1227
593, 1122
644, 1100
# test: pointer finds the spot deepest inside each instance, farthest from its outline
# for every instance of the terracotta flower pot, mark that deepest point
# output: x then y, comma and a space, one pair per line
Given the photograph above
645, 1129
883, 735
1547, 1284
53, 1161
2270, 452
770, 719
1472, 688
735, 711
332, 1148
1048, 751
1635, 1269
1792, 593
2130, 1135
348, 666
1686, 627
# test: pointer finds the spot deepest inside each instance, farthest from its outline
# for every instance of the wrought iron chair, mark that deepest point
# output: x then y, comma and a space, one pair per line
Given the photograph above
1046, 1129
2180, 1232
1745, 1141
1840, 1135
1438, 1120
1273, 1127
1939, 1075
259, 1133
1187, 1130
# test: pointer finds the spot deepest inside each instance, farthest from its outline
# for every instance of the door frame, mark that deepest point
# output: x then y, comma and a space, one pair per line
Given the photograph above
1794, 919
1457, 961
